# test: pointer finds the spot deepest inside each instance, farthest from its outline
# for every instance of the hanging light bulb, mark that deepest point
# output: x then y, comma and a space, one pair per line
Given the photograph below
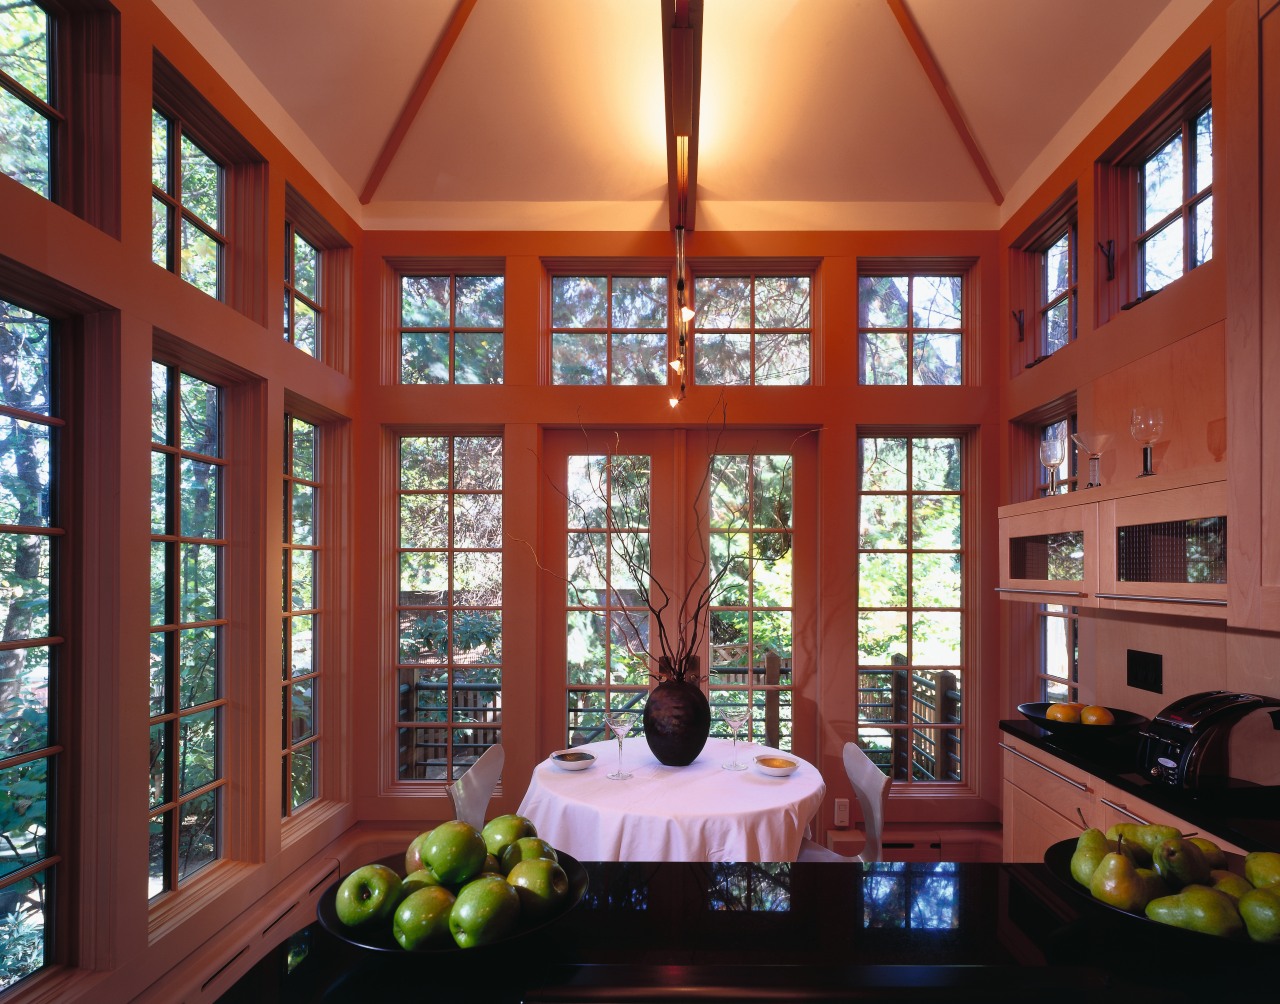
684, 314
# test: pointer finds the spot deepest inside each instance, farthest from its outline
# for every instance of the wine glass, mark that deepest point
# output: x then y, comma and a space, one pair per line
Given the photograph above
1053, 451
1145, 426
1099, 441
619, 723
735, 716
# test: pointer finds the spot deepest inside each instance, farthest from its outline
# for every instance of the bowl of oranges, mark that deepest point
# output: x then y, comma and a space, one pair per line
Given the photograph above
1080, 721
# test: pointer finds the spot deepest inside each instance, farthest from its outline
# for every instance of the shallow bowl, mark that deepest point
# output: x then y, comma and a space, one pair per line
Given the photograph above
1125, 721
776, 766
573, 759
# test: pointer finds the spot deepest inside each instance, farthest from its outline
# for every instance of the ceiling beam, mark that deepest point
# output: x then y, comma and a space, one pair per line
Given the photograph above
416, 100
682, 69
930, 66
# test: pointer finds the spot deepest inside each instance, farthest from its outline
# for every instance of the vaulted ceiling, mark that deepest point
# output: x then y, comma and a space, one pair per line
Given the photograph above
551, 114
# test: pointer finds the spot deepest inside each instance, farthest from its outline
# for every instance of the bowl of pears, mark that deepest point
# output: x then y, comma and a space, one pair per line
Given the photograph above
1182, 881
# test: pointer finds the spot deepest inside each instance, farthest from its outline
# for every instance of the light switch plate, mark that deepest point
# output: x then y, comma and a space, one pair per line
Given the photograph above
842, 812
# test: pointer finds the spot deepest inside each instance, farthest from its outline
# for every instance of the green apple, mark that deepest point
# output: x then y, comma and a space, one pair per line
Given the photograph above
524, 849
502, 831
367, 896
413, 853
485, 910
423, 878
491, 866
454, 851
541, 884
422, 918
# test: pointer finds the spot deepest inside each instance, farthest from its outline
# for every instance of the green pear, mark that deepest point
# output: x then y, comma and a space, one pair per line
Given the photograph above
1198, 908
1213, 854
1117, 883
1262, 868
1153, 885
1232, 884
1260, 910
1147, 836
1180, 862
1091, 847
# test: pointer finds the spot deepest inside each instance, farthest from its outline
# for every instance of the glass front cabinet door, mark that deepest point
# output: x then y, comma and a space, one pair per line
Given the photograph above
1048, 551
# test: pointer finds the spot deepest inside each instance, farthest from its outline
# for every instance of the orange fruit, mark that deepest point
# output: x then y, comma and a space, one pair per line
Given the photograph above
1095, 714
1063, 712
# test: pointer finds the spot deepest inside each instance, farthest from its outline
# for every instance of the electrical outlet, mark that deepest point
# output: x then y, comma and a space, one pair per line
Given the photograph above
842, 812
1145, 671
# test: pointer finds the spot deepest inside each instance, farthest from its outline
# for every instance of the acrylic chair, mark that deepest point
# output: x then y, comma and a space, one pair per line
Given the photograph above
871, 785
472, 791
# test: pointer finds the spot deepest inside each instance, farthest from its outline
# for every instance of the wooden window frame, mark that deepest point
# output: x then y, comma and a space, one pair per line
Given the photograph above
970, 349
455, 269
334, 283
1070, 616
1028, 297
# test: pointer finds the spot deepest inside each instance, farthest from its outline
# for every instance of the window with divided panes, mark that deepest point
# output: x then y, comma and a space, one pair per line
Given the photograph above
1175, 200
911, 327
451, 328
187, 215
300, 680
609, 329
752, 329
303, 314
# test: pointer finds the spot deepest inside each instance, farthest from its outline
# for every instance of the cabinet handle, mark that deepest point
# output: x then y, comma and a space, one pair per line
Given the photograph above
1123, 811
1162, 599
1041, 592
1061, 777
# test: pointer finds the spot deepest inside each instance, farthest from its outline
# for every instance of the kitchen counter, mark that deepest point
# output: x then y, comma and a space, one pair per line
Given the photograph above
1250, 818
792, 932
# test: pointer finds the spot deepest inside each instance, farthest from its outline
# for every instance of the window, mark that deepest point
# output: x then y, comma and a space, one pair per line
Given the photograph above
1056, 310
32, 745
608, 329
752, 329
300, 681
911, 610
1058, 650
1175, 195
302, 310
60, 104
186, 206
28, 118
910, 327
449, 608
187, 548
451, 328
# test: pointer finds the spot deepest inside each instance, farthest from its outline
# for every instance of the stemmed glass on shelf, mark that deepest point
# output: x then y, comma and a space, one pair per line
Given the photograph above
619, 723
735, 716
1053, 451
1145, 426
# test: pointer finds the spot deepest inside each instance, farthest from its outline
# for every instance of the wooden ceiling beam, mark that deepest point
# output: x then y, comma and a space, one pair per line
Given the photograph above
417, 98
930, 66
682, 69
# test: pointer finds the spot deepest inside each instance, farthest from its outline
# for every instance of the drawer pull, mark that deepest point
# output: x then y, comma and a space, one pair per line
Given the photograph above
1061, 777
1041, 592
1191, 600
1123, 811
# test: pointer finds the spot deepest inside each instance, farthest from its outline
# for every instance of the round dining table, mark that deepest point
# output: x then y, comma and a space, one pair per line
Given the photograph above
701, 812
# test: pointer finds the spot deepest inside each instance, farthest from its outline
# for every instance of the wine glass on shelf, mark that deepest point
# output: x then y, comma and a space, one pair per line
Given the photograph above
735, 716
1099, 443
1053, 451
619, 723
1145, 426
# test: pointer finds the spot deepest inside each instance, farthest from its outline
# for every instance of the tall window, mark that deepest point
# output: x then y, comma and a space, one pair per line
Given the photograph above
753, 608
32, 746
1175, 198
300, 681
911, 631
752, 329
449, 608
910, 328
187, 230
28, 118
1056, 310
187, 547
302, 311
451, 328
609, 329
1058, 663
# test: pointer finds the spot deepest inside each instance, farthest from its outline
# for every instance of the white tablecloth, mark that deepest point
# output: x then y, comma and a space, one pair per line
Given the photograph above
696, 813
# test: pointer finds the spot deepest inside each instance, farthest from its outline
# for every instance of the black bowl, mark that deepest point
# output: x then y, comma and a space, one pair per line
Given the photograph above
1125, 721
380, 939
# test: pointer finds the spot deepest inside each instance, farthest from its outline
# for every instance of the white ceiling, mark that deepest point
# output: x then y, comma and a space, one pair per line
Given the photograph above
549, 114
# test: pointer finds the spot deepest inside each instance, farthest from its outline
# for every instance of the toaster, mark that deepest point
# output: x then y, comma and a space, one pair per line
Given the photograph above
1214, 740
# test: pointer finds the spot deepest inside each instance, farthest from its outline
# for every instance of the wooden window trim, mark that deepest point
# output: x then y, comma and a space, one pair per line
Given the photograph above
336, 290
1026, 283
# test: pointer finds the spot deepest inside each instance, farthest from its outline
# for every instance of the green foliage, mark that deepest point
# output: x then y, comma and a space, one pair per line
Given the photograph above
21, 943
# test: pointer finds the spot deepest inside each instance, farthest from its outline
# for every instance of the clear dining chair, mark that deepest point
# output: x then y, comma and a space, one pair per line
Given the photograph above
871, 785
472, 791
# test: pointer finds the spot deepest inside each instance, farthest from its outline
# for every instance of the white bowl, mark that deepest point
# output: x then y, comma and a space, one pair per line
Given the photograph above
573, 759
776, 766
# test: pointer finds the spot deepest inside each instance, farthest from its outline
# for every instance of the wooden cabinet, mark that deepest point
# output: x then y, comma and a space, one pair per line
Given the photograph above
1155, 544
1118, 806
1044, 801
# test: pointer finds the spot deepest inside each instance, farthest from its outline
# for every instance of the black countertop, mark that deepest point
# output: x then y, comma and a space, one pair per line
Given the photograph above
1250, 818
793, 932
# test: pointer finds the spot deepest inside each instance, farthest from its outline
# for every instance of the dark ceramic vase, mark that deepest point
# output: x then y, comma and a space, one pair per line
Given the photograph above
677, 720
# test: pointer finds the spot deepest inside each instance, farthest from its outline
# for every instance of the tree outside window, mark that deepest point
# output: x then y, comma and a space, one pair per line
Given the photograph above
609, 329
911, 329
752, 329
187, 235
451, 329
1057, 292
1175, 198
28, 118
302, 311
300, 679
